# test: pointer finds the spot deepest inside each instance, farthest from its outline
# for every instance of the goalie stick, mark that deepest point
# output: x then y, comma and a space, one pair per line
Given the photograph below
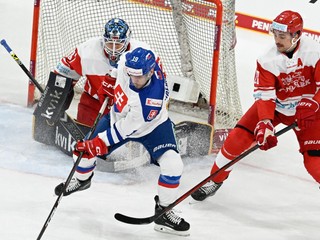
54, 208
138, 221
69, 124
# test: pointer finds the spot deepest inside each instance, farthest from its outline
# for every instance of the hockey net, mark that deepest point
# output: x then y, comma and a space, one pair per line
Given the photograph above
183, 33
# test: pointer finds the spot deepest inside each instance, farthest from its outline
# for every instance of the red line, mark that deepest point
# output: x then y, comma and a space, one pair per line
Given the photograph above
279, 173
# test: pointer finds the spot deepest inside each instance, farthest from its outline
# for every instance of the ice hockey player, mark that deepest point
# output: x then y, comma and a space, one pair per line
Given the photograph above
139, 114
95, 59
286, 89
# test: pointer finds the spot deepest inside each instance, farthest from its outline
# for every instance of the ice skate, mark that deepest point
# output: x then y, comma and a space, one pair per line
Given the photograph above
207, 190
170, 222
74, 186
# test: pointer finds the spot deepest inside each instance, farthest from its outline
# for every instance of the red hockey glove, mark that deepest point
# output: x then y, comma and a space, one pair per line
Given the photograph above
106, 90
264, 133
92, 148
306, 112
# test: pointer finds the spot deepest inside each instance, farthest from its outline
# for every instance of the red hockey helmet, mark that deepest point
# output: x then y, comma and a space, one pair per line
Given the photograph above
288, 21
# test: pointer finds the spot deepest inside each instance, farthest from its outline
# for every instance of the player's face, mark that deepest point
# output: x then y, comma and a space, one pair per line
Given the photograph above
283, 40
139, 81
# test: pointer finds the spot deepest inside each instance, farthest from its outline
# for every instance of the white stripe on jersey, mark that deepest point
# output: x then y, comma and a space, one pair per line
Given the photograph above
264, 94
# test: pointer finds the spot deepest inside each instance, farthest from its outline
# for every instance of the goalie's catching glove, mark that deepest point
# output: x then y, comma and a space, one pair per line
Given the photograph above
306, 112
92, 148
264, 133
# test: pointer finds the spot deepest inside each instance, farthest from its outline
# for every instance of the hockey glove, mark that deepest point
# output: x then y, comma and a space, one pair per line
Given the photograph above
264, 133
92, 148
306, 112
106, 90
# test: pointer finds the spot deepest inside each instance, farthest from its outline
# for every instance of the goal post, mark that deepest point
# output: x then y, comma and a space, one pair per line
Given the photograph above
194, 39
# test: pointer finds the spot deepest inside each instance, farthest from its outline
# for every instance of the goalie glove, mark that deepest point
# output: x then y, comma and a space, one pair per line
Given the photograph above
264, 133
107, 90
306, 112
92, 148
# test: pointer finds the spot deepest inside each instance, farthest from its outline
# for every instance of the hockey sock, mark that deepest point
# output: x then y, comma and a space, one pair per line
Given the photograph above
312, 164
237, 142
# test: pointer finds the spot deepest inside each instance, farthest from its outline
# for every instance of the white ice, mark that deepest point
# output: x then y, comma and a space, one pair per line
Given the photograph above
268, 196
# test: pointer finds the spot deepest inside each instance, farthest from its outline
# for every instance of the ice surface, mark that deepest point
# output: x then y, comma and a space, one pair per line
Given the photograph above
268, 196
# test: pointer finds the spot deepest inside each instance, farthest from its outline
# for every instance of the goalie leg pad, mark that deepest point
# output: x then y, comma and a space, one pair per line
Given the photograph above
194, 139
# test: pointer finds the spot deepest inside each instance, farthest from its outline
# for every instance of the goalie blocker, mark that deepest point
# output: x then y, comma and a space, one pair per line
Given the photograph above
50, 118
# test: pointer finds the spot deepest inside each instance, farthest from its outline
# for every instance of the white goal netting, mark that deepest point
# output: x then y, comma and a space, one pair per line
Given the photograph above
180, 31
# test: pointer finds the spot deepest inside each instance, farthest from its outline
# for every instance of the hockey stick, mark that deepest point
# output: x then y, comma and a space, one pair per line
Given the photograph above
147, 220
72, 128
15, 57
54, 208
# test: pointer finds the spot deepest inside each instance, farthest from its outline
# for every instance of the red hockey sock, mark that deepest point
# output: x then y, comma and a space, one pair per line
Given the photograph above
312, 164
236, 143
223, 175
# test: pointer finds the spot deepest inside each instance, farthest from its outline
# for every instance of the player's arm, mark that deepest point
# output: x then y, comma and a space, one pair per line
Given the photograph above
113, 135
119, 131
70, 66
317, 80
59, 93
125, 127
265, 93
308, 108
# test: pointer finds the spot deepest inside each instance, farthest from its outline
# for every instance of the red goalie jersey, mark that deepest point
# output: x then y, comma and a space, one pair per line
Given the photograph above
281, 82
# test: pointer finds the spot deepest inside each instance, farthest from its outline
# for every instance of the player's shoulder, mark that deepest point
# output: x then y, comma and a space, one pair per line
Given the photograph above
92, 48
134, 43
270, 54
94, 42
122, 60
309, 40
309, 44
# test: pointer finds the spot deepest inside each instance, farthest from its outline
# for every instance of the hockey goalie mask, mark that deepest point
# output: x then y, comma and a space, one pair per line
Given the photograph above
117, 37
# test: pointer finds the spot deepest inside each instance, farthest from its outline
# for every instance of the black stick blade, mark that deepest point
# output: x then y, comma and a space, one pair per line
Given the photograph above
137, 221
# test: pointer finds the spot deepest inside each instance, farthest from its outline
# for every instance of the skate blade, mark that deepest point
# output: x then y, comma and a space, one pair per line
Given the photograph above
164, 229
193, 202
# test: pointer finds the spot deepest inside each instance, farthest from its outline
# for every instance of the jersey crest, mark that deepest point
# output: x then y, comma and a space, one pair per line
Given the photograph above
152, 114
120, 99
